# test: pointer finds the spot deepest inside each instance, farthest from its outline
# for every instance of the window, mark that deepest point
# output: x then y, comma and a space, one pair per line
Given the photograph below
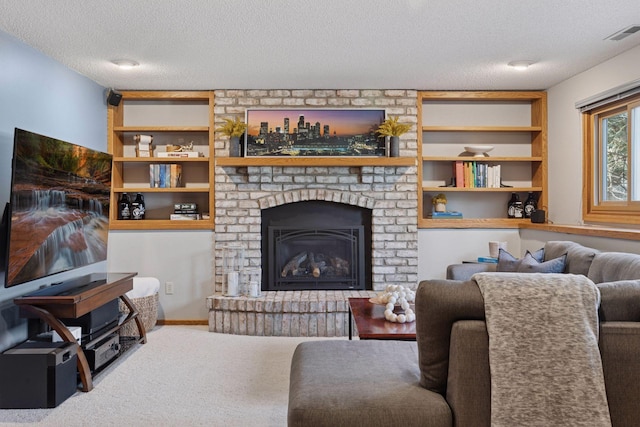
612, 161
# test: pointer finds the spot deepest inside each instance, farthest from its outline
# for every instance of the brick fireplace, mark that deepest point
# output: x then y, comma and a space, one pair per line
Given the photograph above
242, 193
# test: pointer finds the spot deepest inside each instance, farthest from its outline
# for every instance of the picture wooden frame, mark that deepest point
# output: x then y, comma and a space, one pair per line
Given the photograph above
313, 132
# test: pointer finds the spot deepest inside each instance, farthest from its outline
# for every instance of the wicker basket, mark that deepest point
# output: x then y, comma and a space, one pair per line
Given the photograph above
147, 312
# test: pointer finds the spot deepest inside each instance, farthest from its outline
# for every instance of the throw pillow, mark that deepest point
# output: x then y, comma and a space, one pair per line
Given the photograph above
507, 262
538, 255
529, 264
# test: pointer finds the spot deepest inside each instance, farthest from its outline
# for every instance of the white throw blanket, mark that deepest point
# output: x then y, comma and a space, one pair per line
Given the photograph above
543, 350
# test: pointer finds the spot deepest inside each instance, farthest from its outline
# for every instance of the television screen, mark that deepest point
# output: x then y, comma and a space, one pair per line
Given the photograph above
58, 215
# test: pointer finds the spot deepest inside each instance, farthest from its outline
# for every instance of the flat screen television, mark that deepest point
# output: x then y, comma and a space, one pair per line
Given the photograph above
58, 213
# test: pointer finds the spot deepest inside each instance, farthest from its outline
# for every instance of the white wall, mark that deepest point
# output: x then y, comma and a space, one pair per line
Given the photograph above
182, 257
565, 131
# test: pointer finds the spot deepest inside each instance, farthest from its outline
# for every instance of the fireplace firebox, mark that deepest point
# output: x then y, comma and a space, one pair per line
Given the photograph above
316, 245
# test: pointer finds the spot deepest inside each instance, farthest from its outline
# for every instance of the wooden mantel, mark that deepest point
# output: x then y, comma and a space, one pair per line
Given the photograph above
315, 161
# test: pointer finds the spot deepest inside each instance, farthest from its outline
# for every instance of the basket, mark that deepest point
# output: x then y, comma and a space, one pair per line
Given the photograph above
147, 312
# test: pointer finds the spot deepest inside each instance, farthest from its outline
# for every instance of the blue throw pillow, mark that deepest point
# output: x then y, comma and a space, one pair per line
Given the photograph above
507, 262
529, 264
538, 255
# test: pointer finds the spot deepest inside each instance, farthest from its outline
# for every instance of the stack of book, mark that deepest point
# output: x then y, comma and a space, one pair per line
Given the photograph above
178, 154
165, 175
472, 174
185, 211
445, 215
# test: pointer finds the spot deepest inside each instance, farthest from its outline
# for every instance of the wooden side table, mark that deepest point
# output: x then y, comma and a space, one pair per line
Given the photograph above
371, 324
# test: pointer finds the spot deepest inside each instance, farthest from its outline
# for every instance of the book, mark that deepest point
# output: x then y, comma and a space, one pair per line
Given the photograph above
185, 206
154, 175
175, 175
488, 259
164, 176
459, 173
184, 217
451, 214
177, 154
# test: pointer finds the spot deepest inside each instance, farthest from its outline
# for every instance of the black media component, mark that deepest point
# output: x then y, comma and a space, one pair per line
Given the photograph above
530, 205
92, 322
104, 351
124, 207
38, 375
137, 207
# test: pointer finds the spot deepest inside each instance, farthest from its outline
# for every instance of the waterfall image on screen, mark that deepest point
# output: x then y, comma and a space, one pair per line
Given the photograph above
59, 207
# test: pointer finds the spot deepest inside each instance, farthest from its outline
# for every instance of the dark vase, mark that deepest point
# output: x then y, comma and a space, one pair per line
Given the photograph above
234, 146
394, 146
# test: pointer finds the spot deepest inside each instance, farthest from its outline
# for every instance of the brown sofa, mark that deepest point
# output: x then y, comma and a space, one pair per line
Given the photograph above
444, 378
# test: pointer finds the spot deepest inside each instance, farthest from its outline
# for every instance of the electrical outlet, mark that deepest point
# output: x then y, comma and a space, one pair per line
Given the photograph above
168, 288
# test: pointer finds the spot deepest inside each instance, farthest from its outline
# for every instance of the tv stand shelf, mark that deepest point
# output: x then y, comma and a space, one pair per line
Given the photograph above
77, 297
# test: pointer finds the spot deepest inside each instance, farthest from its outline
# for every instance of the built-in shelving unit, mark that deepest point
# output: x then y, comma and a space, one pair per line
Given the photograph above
171, 117
514, 123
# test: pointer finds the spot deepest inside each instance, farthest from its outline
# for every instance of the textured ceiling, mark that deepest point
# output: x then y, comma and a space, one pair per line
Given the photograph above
316, 44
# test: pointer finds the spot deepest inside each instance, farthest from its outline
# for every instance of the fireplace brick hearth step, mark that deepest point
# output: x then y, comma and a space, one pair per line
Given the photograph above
283, 313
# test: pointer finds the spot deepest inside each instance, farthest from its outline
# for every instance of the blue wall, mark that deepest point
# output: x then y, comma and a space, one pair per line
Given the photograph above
41, 95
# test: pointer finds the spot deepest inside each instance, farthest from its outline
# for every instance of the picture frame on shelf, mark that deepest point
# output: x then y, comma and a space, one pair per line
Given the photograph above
314, 133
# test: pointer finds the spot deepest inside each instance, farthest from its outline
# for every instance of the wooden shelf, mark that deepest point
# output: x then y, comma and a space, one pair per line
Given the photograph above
481, 189
480, 159
161, 224
161, 190
161, 159
472, 223
315, 161
161, 129
481, 128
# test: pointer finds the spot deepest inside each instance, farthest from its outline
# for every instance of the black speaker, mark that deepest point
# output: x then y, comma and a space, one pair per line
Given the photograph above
538, 216
38, 375
114, 97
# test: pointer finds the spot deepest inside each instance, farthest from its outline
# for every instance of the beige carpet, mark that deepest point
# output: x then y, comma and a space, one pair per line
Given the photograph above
183, 376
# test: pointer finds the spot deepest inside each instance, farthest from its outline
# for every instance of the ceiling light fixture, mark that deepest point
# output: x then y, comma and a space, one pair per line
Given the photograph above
520, 65
125, 64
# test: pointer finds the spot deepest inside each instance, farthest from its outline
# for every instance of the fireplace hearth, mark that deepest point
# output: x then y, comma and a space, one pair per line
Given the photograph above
316, 245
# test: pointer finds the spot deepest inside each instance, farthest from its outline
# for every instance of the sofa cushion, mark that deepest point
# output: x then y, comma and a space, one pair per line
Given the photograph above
579, 257
361, 383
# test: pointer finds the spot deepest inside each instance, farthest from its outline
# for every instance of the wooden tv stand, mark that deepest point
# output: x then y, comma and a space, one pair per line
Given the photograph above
72, 299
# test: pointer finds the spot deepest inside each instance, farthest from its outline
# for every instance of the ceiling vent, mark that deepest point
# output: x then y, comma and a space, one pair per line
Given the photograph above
619, 35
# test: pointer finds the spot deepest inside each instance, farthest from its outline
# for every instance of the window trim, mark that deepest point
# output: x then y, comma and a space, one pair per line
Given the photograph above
593, 210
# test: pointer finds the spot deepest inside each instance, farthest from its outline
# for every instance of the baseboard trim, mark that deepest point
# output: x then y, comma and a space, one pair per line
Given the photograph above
182, 322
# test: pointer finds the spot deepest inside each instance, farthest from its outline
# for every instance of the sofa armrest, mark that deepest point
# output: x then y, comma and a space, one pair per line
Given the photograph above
469, 379
466, 270
620, 301
619, 347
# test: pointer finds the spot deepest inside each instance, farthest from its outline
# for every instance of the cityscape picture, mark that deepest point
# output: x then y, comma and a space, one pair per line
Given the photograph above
314, 132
